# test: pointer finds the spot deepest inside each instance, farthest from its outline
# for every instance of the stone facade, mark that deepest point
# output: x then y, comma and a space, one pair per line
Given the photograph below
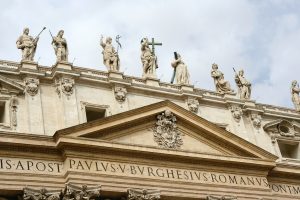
44, 134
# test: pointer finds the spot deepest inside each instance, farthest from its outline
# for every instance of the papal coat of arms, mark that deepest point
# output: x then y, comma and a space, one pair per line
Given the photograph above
166, 132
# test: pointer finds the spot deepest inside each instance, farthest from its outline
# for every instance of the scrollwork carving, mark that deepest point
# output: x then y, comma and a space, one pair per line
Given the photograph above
32, 86
166, 132
65, 85
120, 94
236, 112
193, 105
256, 120
143, 194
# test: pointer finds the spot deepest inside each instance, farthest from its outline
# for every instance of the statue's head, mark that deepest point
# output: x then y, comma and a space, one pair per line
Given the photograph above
144, 40
108, 40
60, 33
214, 66
241, 72
294, 83
26, 31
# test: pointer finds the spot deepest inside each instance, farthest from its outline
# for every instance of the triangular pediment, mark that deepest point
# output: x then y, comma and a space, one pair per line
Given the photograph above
136, 128
7, 84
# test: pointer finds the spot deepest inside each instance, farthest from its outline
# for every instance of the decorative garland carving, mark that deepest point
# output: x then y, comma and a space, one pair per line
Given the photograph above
166, 132
13, 108
143, 194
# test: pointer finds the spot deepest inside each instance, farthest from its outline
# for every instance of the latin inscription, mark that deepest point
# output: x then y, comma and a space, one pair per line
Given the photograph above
24, 165
134, 170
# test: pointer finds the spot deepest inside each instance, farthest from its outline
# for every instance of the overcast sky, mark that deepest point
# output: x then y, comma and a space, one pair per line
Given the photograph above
260, 36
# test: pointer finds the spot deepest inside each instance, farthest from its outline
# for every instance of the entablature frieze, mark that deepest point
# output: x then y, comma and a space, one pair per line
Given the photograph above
15, 68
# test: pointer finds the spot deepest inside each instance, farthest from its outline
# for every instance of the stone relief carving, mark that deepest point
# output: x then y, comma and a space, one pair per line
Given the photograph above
143, 194
256, 120
64, 85
282, 128
193, 105
166, 133
42, 194
120, 93
221, 197
72, 192
13, 108
236, 112
32, 86
243, 85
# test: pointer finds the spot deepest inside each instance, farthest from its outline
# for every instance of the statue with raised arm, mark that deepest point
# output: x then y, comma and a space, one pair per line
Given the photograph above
222, 86
243, 85
149, 60
60, 47
295, 95
110, 55
182, 75
27, 44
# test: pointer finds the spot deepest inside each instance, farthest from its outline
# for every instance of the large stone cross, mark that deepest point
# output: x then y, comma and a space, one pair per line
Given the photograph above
152, 43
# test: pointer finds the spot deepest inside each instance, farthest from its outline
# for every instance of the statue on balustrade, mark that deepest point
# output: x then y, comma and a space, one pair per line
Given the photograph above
181, 73
27, 44
110, 55
60, 47
222, 86
243, 85
149, 60
295, 94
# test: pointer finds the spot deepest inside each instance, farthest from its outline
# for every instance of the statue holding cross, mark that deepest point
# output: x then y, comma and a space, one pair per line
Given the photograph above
148, 57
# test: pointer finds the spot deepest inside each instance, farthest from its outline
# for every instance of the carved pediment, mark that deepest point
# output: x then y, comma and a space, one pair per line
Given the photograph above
282, 127
10, 86
181, 131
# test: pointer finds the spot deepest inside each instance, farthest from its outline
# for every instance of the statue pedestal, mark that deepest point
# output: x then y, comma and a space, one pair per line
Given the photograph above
63, 65
187, 88
115, 74
152, 82
29, 65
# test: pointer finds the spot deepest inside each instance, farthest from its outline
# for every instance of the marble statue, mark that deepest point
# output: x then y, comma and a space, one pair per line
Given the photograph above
243, 85
60, 47
110, 55
27, 44
149, 60
222, 86
182, 75
295, 95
